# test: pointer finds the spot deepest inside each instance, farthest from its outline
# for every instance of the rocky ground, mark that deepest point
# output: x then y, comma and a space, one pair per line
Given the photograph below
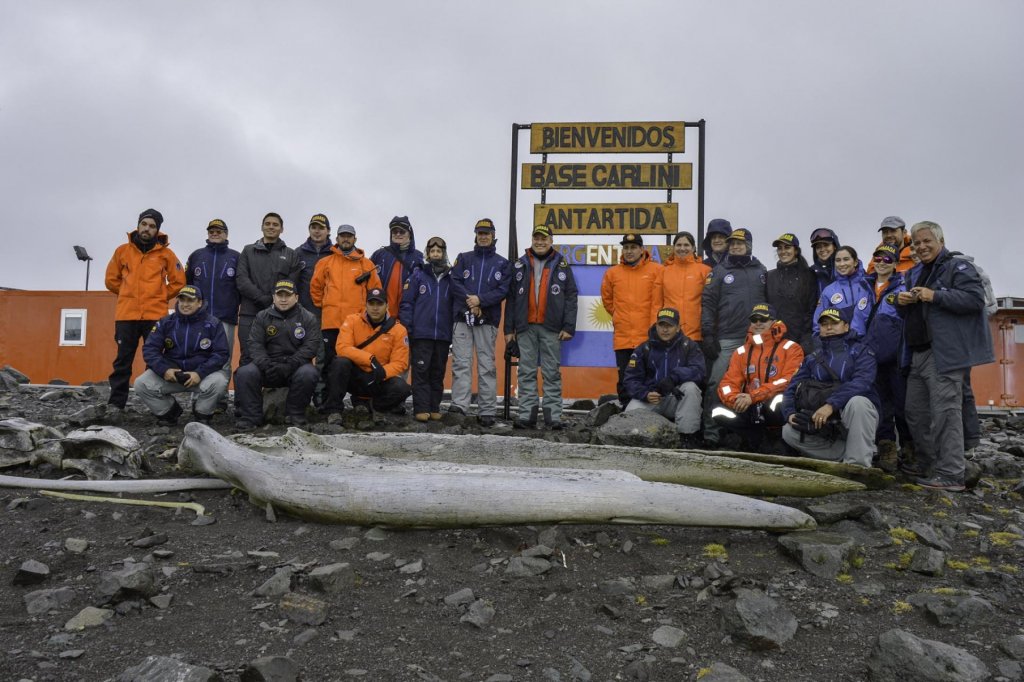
897, 584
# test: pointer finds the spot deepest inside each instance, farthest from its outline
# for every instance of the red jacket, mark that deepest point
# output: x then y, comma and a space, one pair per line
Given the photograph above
762, 367
390, 348
145, 283
632, 296
683, 284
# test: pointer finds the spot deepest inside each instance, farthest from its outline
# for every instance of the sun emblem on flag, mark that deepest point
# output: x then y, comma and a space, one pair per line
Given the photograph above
599, 317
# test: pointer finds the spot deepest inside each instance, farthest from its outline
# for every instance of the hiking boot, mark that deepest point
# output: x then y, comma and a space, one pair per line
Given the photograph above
202, 418
521, 425
398, 411
296, 420
422, 416
556, 426
243, 426
486, 420
689, 441
436, 416
888, 456
939, 483
455, 409
170, 417
115, 415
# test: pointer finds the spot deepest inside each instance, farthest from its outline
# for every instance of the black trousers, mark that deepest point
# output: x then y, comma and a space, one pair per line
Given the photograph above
345, 377
329, 352
891, 386
972, 425
249, 385
754, 424
429, 360
622, 360
127, 334
244, 325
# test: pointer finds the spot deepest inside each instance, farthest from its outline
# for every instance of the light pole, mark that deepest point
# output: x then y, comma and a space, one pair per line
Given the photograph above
84, 255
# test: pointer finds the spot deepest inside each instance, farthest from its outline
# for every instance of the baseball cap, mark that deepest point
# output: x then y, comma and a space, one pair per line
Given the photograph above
668, 315
216, 224
835, 315
886, 249
788, 239
632, 238
320, 219
762, 311
284, 285
376, 295
542, 229
190, 291
347, 229
484, 225
892, 222
740, 234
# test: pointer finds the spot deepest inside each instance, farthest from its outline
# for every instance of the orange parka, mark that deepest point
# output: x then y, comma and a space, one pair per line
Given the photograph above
682, 286
334, 289
762, 367
632, 296
390, 348
145, 282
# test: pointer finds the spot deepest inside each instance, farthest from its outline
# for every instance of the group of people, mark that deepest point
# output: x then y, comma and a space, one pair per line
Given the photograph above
835, 360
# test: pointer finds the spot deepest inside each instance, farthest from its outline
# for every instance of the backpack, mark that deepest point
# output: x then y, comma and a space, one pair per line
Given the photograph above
991, 303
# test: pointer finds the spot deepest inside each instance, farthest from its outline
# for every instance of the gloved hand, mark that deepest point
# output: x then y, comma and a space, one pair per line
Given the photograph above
379, 375
666, 387
711, 348
277, 374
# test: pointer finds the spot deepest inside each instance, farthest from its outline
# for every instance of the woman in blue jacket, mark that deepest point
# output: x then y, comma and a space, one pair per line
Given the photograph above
426, 312
849, 290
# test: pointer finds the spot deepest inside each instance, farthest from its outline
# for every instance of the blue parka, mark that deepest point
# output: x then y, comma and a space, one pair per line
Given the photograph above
386, 256
191, 343
309, 254
848, 291
850, 358
212, 269
426, 308
885, 326
562, 298
680, 360
483, 273
961, 337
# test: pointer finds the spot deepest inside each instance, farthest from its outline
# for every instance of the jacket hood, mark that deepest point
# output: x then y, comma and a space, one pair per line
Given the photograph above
310, 246
776, 333
355, 254
645, 256
717, 226
832, 237
681, 262
159, 240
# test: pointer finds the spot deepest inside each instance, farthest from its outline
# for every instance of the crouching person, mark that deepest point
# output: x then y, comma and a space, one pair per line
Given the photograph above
663, 373
373, 353
283, 341
758, 374
830, 406
184, 352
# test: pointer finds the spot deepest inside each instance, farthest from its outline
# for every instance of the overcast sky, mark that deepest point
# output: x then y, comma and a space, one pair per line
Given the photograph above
819, 114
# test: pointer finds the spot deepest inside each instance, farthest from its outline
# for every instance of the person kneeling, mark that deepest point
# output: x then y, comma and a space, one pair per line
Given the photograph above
283, 341
185, 351
831, 407
662, 375
373, 353
759, 371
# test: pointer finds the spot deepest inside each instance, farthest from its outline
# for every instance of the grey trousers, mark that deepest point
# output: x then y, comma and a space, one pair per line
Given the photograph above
466, 340
538, 345
685, 413
158, 395
860, 419
712, 430
934, 415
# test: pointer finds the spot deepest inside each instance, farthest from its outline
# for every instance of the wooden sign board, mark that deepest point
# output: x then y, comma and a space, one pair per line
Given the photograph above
608, 138
607, 176
610, 219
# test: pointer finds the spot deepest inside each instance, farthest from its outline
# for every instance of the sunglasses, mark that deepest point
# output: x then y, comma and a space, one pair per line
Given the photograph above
883, 259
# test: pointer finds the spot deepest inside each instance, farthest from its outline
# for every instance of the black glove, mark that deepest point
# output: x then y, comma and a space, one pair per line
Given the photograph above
666, 387
379, 375
710, 347
277, 374
512, 349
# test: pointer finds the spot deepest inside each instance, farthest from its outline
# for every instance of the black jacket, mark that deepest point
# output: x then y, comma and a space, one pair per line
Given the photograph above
292, 337
259, 269
793, 291
732, 290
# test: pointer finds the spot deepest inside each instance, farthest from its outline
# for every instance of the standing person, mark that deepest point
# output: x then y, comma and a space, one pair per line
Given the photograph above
683, 283
310, 252
885, 330
759, 371
539, 316
631, 293
824, 242
792, 290
837, 424
145, 275
716, 241
663, 375
945, 333
849, 289
894, 233
480, 281
396, 261
284, 340
186, 351
212, 269
338, 289
734, 287
372, 356
260, 266
426, 312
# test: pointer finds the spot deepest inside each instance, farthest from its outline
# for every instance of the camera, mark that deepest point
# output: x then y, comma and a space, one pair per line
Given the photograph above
181, 377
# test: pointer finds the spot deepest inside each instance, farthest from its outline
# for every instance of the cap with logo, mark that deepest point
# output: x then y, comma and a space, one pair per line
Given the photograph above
347, 229
321, 220
742, 235
190, 291
788, 239
484, 225
886, 250
542, 230
376, 294
668, 315
217, 224
632, 238
285, 285
835, 315
893, 222
763, 311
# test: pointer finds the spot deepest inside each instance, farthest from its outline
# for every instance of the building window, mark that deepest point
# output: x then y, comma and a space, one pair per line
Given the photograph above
72, 327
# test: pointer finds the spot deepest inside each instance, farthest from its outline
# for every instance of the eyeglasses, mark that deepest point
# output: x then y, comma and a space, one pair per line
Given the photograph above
883, 259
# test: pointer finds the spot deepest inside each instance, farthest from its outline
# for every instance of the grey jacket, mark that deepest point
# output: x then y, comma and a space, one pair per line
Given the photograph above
732, 290
259, 268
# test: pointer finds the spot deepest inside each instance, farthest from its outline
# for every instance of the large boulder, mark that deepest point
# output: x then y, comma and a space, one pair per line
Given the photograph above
639, 428
899, 656
757, 621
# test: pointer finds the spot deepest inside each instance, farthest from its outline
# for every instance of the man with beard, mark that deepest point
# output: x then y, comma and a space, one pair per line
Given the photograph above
539, 316
145, 275
260, 266
792, 290
396, 261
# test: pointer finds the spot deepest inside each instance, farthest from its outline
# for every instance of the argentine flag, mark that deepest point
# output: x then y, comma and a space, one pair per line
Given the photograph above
592, 344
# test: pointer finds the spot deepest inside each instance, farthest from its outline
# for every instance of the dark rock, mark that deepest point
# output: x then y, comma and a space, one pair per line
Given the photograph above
91, 414
150, 541
463, 596
1013, 647
42, 601
899, 656
132, 581
639, 428
928, 561
600, 415
669, 637
831, 512
526, 567
18, 376
927, 535
270, 669
582, 405
278, 584
757, 621
333, 578
479, 614
949, 610
31, 572
58, 382
819, 553
163, 668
